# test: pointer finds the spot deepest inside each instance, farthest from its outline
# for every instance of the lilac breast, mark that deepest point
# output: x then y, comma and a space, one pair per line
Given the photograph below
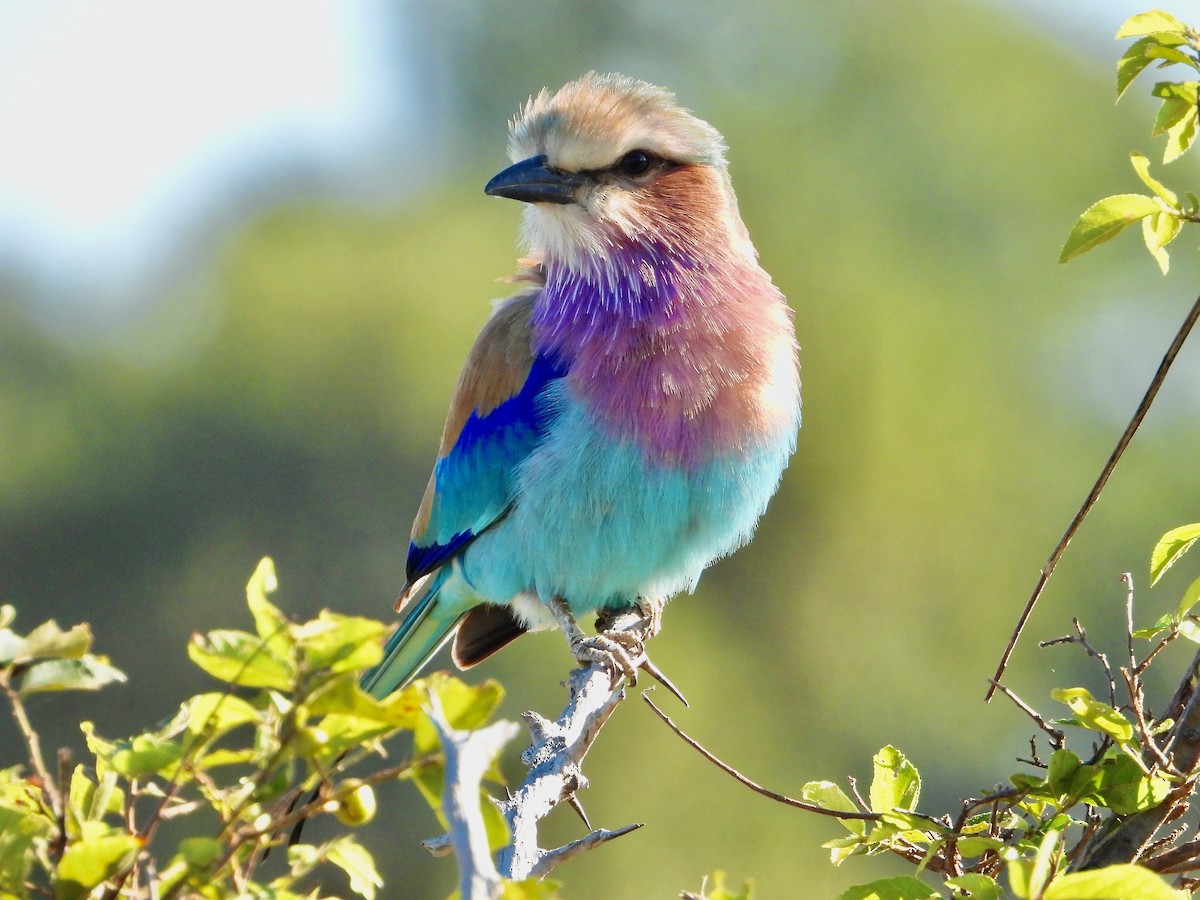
689, 356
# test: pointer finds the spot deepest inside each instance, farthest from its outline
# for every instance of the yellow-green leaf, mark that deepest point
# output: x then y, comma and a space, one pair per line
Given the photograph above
1119, 882
1149, 22
48, 641
1170, 547
895, 783
88, 674
340, 643
975, 886
270, 624
358, 864
1141, 165
903, 887
92, 861
1181, 136
1190, 598
210, 715
1091, 713
1159, 230
239, 658
828, 795
1104, 220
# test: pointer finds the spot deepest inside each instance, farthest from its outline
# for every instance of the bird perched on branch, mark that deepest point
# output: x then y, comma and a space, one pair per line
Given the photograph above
622, 421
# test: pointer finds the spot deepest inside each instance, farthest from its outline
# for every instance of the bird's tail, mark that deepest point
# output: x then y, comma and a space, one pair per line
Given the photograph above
430, 619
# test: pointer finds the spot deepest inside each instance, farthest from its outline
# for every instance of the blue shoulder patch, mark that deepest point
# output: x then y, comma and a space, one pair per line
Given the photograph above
423, 560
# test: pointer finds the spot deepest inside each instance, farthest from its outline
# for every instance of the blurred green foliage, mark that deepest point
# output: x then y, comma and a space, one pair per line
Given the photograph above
906, 171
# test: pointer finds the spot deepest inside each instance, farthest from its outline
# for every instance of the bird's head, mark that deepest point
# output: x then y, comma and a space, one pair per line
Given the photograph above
608, 160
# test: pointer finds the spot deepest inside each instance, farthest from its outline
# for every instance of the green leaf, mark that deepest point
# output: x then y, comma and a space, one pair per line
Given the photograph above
975, 886
828, 795
200, 852
18, 832
1062, 768
341, 643
904, 887
89, 800
10, 645
8, 614
1190, 629
1119, 882
1190, 598
1092, 714
537, 889
1141, 165
88, 674
1125, 789
1104, 220
1171, 113
358, 864
896, 782
1040, 872
1149, 22
1157, 46
1162, 624
270, 624
466, 707
1159, 230
48, 641
144, 754
977, 845
1133, 63
715, 889
1170, 547
240, 658
1181, 136
841, 849
92, 861
211, 715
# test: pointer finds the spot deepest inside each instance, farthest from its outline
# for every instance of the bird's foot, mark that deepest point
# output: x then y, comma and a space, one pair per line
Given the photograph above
619, 651
616, 655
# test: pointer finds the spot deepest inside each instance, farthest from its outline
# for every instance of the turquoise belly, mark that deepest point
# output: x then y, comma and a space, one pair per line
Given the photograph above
596, 523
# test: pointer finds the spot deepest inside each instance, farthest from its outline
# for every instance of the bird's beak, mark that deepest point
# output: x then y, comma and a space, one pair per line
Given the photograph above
532, 181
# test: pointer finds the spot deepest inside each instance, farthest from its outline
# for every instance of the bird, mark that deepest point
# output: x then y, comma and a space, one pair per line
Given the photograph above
623, 419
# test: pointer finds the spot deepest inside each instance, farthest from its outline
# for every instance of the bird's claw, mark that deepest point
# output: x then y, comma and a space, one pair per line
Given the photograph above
612, 651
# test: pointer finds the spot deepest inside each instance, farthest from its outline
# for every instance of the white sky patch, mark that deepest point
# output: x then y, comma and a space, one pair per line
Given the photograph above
119, 119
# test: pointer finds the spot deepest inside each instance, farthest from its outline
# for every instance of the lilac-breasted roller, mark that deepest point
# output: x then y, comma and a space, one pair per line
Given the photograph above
623, 420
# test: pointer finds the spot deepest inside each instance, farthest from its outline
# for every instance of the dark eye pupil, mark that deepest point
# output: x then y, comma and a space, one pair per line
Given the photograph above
635, 162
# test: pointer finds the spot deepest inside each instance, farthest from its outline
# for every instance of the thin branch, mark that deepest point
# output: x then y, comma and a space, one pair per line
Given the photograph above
753, 785
1057, 738
1094, 495
1127, 580
33, 745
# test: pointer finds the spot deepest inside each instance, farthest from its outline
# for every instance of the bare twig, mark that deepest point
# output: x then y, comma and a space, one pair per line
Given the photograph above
1094, 495
1127, 580
34, 747
753, 785
1057, 738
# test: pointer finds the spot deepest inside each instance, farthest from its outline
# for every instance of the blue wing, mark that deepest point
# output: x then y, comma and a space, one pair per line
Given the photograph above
498, 415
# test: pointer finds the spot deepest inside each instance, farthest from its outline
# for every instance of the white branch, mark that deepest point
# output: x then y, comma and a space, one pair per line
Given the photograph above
555, 759
469, 754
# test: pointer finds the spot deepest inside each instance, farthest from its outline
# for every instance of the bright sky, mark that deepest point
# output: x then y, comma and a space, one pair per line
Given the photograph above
124, 121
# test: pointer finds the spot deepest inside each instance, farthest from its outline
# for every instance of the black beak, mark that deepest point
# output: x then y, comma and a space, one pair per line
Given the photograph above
532, 181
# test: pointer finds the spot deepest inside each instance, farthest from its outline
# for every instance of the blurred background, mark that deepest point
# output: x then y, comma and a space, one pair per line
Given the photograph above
244, 249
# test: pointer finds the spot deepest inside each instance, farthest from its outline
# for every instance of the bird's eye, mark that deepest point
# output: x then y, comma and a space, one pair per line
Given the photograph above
635, 162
